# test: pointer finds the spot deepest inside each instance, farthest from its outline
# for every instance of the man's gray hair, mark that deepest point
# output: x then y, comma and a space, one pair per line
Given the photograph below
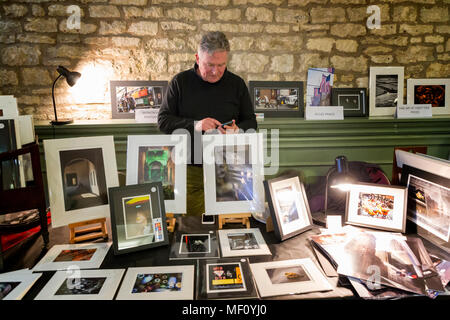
214, 41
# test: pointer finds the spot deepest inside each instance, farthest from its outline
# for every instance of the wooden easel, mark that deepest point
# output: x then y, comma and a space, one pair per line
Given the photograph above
235, 218
171, 220
89, 233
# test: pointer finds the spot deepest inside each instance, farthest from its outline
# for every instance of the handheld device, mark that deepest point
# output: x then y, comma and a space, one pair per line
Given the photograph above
208, 219
227, 123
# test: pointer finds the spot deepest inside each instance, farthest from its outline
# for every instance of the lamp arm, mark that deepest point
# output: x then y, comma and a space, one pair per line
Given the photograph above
53, 96
333, 169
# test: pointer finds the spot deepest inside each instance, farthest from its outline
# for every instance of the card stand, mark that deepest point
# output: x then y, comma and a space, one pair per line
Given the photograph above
89, 233
171, 221
235, 218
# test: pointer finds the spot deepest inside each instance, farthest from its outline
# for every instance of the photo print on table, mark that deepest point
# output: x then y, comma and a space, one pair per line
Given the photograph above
242, 242
195, 243
158, 282
224, 277
75, 255
14, 285
287, 274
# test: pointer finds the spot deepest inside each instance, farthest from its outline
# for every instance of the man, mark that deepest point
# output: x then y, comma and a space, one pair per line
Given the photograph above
203, 98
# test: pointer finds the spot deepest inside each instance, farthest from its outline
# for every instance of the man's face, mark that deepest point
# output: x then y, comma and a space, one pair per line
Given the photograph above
211, 66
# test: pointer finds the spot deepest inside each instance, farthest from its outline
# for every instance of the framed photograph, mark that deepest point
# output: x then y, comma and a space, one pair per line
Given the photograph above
428, 200
385, 90
318, 86
138, 217
79, 173
277, 98
198, 245
160, 158
80, 255
82, 285
8, 107
158, 283
288, 206
127, 96
14, 285
242, 242
354, 101
430, 91
12, 174
284, 277
234, 166
377, 206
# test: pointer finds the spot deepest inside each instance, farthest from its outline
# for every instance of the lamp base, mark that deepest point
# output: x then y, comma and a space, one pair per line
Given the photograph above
61, 122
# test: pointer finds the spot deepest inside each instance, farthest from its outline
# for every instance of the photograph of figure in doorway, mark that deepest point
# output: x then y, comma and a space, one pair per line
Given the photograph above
138, 217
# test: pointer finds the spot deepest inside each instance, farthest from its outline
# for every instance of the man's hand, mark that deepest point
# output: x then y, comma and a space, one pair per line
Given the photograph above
233, 128
208, 124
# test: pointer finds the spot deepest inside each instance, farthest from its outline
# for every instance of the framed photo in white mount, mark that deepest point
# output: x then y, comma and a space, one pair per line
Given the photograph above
276, 278
14, 285
82, 285
242, 242
385, 90
80, 255
160, 158
79, 173
158, 283
233, 173
377, 206
430, 91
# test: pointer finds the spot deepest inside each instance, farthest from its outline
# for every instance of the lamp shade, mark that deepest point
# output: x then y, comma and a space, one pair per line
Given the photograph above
340, 179
71, 76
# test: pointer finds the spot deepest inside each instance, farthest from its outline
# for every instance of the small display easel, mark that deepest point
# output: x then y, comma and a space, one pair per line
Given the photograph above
171, 220
90, 233
235, 218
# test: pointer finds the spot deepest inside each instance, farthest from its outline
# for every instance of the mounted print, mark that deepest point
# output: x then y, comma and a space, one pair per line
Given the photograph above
277, 98
198, 245
288, 206
129, 96
160, 158
385, 90
377, 206
234, 166
430, 91
354, 101
15, 285
138, 217
242, 242
79, 173
318, 86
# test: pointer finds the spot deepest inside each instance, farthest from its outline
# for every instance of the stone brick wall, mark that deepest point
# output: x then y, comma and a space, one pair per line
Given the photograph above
155, 39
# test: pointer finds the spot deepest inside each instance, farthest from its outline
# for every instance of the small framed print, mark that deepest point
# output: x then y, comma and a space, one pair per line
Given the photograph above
138, 217
385, 90
242, 242
194, 246
127, 96
285, 277
277, 98
15, 285
318, 86
81, 255
82, 285
354, 101
430, 91
158, 283
288, 206
377, 206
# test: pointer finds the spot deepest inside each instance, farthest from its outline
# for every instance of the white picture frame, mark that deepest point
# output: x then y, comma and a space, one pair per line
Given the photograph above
67, 203
63, 285
58, 257
178, 143
185, 293
270, 282
8, 107
245, 237
377, 206
23, 281
383, 103
443, 106
247, 198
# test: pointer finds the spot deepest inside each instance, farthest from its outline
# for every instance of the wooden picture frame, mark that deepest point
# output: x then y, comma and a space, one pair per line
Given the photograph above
354, 101
385, 90
430, 91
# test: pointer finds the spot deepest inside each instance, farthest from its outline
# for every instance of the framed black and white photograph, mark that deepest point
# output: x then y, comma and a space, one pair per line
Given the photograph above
138, 217
79, 173
385, 90
242, 242
234, 166
430, 91
199, 245
354, 101
160, 158
82, 285
377, 206
158, 283
285, 277
14, 285
277, 98
428, 200
288, 205
128, 96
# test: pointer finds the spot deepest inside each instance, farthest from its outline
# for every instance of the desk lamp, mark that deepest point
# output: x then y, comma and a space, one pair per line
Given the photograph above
340, 178
71, 78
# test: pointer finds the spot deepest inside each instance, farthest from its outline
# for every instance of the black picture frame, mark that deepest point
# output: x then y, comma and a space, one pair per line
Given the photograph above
288, 180
126, 240
144, 97
354, 101
279, 104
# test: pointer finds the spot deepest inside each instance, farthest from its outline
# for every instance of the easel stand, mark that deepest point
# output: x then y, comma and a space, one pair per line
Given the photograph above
235, 218
171, 220
90, 233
